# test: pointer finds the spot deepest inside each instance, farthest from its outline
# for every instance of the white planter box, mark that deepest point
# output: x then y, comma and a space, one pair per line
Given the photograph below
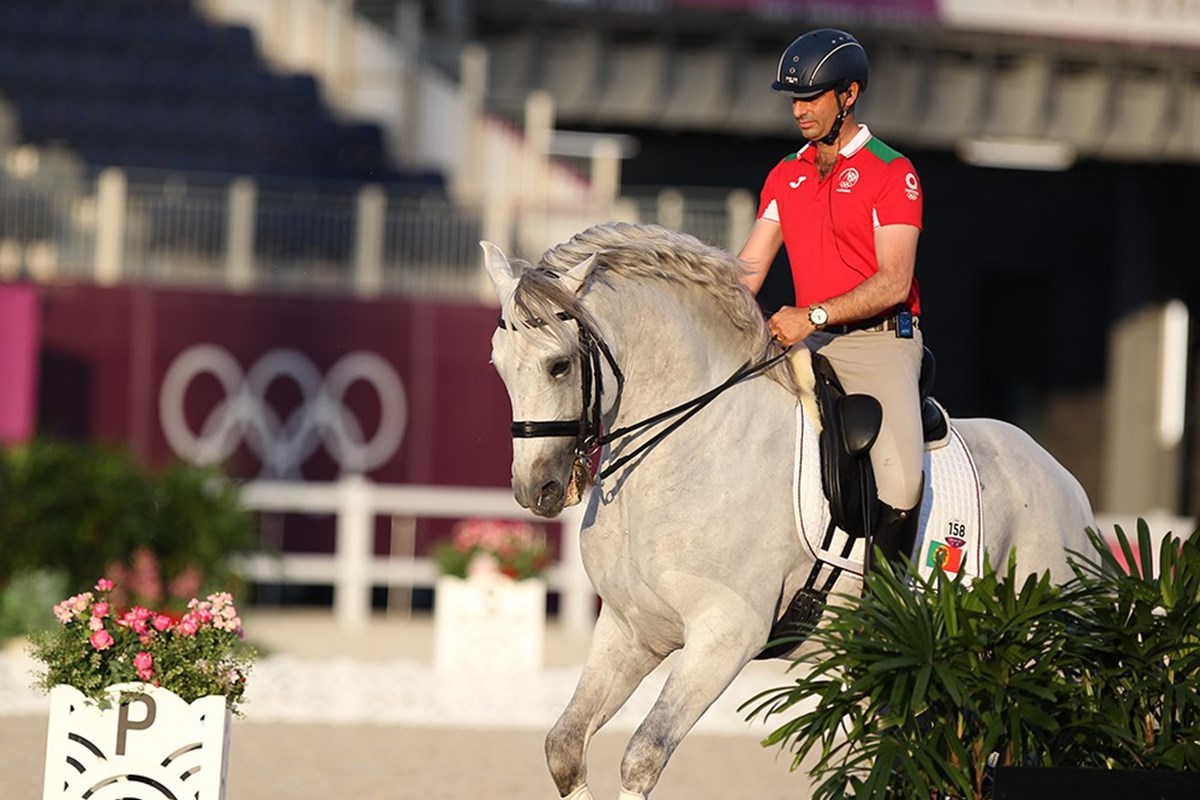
489, 623
148, 742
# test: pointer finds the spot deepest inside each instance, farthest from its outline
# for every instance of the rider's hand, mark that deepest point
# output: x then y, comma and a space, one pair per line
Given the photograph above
790, 325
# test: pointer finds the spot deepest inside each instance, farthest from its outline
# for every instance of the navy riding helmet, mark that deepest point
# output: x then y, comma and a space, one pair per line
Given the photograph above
821, 60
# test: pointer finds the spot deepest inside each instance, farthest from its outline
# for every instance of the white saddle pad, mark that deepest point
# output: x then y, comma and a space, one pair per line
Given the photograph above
950, 532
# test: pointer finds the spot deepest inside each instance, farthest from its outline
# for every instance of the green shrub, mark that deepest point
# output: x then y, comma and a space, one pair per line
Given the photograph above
922, 687
1137, 646
198, 523
86, 509
72, 507
26, 602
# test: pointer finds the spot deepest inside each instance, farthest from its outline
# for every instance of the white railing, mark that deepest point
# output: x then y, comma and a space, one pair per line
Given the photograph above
237, 236
353, 569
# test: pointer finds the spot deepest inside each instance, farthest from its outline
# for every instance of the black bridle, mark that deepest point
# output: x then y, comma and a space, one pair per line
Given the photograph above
587, 428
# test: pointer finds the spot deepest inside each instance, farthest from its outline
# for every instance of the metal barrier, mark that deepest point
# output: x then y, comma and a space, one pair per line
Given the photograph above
360, 241
353, 569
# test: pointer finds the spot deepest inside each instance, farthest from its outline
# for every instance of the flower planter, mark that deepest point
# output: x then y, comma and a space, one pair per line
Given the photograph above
146, 742
489, 623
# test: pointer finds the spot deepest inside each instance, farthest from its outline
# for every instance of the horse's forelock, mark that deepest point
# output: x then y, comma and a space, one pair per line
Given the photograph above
539, 297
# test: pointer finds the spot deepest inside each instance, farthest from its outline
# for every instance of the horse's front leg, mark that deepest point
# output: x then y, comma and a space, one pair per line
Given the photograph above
715, 652
615, 665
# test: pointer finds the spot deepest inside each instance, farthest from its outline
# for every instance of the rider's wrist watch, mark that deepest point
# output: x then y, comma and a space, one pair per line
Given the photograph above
818, 316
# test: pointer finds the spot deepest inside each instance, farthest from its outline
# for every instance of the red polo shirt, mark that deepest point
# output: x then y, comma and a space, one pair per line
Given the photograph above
829, 225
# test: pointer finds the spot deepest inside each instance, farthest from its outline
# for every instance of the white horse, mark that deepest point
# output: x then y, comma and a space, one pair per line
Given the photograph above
690, 539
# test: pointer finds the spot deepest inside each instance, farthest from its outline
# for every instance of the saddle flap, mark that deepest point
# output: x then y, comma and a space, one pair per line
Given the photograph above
846, 475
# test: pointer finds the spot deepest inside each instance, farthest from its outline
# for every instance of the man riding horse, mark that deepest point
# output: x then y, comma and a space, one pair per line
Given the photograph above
848, 208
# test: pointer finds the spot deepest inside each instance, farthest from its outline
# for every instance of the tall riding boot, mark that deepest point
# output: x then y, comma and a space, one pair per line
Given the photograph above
895, 534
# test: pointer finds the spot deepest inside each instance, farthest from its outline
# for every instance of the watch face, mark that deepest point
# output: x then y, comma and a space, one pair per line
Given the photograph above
818, 316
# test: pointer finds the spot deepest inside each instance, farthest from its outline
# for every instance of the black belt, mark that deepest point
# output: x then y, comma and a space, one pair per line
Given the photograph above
872, 324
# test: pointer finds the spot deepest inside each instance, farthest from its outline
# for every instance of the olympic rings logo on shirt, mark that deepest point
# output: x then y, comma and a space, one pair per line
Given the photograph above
283, 445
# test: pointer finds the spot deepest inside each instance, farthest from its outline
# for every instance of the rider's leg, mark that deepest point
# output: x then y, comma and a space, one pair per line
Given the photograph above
888, 368
895, 533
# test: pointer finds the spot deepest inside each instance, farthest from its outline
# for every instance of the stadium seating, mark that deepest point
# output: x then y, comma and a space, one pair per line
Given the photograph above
150, 85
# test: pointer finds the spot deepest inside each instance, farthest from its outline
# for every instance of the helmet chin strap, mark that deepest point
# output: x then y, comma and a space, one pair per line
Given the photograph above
843, 110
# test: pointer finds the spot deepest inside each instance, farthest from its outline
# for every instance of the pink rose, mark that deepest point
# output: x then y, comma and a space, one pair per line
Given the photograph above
143, 662
101, 640
188, 626
104, 585
162, 622
96, 624
100, 610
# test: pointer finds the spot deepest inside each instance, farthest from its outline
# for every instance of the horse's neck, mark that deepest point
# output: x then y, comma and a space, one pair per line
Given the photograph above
670, 348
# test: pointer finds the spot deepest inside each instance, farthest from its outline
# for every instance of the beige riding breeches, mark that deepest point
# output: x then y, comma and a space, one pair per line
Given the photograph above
888, 368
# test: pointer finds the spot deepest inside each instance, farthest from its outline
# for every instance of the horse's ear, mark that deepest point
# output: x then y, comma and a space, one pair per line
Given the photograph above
575, 277
500, 271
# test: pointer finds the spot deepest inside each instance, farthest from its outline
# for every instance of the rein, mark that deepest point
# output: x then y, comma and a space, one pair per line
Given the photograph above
684, 411
586, 429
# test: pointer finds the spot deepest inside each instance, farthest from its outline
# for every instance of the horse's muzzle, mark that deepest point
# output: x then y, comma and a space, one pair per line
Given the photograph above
550, 499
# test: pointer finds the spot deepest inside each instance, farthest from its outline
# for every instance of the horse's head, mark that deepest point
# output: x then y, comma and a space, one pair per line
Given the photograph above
551, 379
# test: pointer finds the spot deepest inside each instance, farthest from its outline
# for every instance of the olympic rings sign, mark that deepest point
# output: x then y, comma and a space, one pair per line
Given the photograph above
282, 445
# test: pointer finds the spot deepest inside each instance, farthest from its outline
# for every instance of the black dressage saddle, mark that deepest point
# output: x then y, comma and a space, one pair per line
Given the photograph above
850, 424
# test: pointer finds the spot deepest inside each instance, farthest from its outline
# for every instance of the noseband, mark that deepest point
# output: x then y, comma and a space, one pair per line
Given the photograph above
586, 429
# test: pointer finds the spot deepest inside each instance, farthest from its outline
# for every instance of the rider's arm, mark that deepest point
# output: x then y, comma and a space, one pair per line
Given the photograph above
896, 252
759, 251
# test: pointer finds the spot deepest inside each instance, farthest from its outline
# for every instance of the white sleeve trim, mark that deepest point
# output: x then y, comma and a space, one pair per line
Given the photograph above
771, 213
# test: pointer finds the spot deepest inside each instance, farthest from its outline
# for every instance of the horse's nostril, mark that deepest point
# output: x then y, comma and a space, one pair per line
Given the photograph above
551, 493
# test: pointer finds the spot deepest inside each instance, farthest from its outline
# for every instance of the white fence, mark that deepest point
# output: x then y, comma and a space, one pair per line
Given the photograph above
240, 237
353, 569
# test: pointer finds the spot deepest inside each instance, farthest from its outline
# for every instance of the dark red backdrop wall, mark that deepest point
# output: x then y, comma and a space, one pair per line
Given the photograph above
105, 351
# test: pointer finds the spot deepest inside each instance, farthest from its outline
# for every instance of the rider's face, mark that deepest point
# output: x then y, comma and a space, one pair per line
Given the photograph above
815, 116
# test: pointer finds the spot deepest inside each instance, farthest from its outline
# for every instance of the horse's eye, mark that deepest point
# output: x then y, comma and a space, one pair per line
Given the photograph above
560, 367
